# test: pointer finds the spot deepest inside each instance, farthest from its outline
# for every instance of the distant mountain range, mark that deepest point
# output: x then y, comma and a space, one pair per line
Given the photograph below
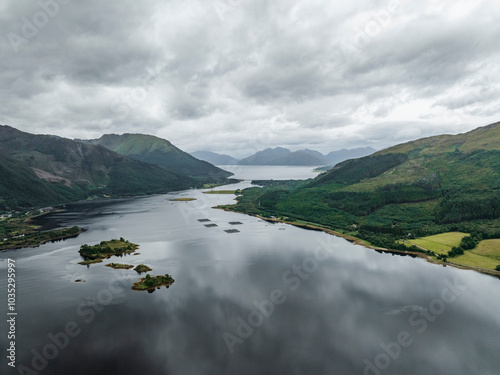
44, 170
41, 170
283, 156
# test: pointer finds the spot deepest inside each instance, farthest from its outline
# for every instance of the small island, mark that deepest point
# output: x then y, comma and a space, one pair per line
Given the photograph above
142, 268
182, 199
106, 249
90, 261
119, 266
150, 283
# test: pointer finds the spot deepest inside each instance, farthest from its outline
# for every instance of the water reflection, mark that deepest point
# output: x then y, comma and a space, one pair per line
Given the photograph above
263, 300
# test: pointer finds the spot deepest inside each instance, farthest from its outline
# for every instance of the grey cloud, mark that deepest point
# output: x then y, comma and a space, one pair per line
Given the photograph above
220, 71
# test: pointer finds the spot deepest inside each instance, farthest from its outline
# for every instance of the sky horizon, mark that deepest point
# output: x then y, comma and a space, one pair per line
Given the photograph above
240, 76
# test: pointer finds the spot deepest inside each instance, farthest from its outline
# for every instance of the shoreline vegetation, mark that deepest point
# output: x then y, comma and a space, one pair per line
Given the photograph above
213, 185
36, 239
106, 249
235, 192
150, 283
359, 241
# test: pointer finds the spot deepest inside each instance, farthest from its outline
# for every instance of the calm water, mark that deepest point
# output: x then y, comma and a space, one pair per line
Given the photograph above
267, 172
271, 299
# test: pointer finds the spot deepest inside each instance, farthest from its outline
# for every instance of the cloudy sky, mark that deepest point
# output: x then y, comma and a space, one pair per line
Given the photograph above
238, 76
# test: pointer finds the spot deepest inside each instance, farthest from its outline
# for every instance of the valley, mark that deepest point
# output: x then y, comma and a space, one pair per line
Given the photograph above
423, 196
235, 187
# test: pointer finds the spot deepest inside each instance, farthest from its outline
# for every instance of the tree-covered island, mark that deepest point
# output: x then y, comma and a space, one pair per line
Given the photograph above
149, 282
106, 249
142, 268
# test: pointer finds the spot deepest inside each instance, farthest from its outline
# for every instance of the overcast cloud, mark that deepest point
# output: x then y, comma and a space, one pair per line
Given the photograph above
237, 76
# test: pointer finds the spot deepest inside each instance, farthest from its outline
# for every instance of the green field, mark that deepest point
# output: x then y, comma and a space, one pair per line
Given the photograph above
440, 243
485, 255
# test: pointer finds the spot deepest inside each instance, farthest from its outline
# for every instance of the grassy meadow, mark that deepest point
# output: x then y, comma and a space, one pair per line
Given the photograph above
485, 255
440, 243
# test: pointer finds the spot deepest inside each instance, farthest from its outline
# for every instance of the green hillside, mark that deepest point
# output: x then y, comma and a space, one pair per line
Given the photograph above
158, 151
20, 188
429, 186
483, 138
40, 170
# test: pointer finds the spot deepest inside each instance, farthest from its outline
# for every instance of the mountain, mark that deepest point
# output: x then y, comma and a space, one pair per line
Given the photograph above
45, 170
265, 157
283, 156
449, 162
215, 158
300, 157
20, 187
339, 156
428, 186
158, 151
318, 155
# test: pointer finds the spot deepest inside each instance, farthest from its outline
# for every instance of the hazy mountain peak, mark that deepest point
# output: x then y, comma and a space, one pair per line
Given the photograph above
215, 158
283, 156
